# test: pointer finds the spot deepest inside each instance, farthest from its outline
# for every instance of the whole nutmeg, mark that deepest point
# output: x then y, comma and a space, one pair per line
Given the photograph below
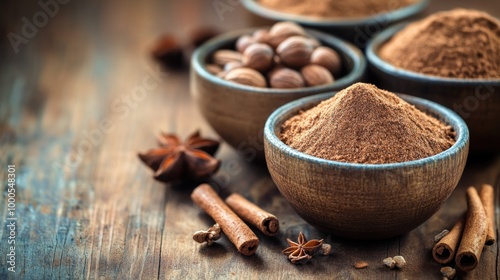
261, 36
295, 52
246, 76
282, 31
221, 57
316, 75
258, 56
285, 78
327, 58
232, 65
243, 42
213, 69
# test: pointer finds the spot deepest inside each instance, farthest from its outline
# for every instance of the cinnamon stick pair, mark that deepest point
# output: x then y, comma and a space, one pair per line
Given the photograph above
471, 233
235, 229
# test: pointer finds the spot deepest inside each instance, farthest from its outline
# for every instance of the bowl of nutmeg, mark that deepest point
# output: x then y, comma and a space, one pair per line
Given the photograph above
365, 163
452, 58
355, 20
238, 79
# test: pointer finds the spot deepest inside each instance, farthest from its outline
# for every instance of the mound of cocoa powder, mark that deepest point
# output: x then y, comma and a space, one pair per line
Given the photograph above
335, 8
455, 44
364, 124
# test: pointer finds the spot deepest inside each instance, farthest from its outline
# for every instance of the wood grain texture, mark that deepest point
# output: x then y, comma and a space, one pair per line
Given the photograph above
92, 211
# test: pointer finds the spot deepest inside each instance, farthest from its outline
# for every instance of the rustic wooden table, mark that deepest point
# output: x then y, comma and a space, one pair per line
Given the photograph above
72, 118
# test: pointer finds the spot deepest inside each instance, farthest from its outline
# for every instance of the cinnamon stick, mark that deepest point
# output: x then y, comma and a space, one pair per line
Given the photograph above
444, 250
235, 229
488, 199
253, 214
474, 235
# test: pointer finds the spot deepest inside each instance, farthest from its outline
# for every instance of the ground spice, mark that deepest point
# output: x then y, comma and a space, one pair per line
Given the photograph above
334, 8
456, 44
364, 124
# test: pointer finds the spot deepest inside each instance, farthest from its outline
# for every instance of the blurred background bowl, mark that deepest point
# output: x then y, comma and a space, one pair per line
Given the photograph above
364, 201
355, 30
477, 101
238, 112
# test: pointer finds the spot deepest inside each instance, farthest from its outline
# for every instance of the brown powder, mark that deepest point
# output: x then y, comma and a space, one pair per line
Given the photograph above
364, 124
335, 8
456, 44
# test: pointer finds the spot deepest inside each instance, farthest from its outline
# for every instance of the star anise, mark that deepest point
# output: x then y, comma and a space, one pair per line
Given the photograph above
176, 160
301, 252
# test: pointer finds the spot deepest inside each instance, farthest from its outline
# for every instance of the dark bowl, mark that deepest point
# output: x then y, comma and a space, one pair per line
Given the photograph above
365, 201
354, 30
477, 101
238, 112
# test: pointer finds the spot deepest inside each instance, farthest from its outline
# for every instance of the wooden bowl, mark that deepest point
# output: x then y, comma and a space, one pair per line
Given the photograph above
354, 30
477, 101
238, 112
364, 201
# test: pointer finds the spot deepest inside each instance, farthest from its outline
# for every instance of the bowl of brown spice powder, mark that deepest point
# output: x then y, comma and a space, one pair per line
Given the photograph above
238, 112
354, 20
452, 58
365, 163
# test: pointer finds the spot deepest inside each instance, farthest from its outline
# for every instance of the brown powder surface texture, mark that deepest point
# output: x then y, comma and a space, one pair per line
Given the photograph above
335, 8
455, 44
364, 124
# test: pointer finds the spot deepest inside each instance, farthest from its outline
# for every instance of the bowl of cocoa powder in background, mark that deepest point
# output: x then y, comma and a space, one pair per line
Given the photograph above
365, 163
355, 20
238, 112
452, 58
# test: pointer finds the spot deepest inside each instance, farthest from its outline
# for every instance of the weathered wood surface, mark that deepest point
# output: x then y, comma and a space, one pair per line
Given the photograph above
72, 120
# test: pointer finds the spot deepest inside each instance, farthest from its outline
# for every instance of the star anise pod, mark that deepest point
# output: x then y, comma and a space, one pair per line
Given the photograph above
301, 252
175, 160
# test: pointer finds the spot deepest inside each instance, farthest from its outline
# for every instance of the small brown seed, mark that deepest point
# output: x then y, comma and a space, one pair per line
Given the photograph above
389, 262
221, 57
327, 58
210, 235
283, 30
295, 52
246, 76
360, 264
285, 78
258, 56
326, 249
243, 42
448, 272
400, 261
316, 75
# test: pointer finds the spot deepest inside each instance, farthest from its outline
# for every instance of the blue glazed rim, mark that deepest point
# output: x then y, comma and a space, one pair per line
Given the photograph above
288, 110
388, 17
374, 59
201, 55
